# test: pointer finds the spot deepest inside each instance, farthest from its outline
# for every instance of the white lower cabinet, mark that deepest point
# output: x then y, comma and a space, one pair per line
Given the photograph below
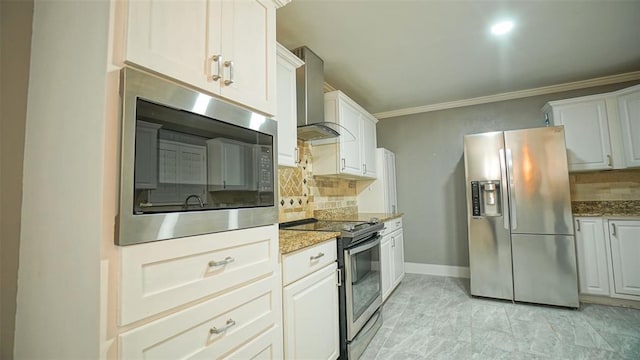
591, 246
625, 254
215, 329
608, 252
311, 326
391, 257
216, 296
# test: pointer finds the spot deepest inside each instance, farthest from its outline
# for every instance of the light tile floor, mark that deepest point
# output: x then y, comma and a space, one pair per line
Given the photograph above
430, 317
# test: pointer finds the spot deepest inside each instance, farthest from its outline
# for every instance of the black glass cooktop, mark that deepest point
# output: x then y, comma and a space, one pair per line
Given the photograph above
321, 225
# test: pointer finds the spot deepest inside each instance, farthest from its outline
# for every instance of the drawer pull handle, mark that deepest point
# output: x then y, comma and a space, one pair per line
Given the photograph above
316, 257
226, 261
215, 330
397, 223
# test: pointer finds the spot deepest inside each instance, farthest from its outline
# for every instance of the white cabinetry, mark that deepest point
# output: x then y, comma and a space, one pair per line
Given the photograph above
380, 195
586, 131
353, 156
591, 247
608, 253
310, 295
214, 295
391, 256
629, 112
625, 252
601, 131
287, 107
146, 171
224, 47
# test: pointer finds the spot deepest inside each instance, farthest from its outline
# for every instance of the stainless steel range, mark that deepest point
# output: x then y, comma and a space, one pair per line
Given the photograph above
360, 294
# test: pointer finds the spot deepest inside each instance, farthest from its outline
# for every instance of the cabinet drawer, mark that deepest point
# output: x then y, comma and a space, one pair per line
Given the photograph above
159, 276
303, 262
265, 346
212, 329
391, 226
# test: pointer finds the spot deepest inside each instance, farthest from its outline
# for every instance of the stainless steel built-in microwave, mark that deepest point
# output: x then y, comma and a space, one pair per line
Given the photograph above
191, 164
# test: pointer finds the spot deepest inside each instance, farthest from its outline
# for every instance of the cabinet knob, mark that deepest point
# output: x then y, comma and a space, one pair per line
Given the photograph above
218, 60
229, 64
227, 260
226, 327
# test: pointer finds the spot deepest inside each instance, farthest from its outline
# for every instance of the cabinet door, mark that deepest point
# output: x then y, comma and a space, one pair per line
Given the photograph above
169, 37
398, 258
146, 165
629, 110
249, 53
625, 252
592, 256
386, 266
587, 134
368, 136
287, 110
311, 327
350, 160
390, 174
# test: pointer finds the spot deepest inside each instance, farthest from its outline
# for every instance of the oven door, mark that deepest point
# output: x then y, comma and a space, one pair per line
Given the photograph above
362, 278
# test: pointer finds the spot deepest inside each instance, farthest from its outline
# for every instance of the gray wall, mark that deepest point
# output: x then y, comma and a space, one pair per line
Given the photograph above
16, 18
430, 169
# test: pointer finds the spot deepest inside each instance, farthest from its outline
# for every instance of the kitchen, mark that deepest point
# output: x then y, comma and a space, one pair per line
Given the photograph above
427, 133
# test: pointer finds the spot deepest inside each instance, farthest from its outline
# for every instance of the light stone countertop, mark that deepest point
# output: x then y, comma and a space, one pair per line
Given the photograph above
292, 240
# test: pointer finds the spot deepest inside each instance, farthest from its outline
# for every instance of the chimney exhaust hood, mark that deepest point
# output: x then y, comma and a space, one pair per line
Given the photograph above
310, 98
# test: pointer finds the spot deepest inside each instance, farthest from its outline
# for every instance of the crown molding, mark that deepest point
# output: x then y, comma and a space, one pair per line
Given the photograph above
605, 80
326, 87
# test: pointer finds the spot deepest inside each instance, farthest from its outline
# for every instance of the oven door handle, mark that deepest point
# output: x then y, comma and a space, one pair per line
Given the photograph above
364, 246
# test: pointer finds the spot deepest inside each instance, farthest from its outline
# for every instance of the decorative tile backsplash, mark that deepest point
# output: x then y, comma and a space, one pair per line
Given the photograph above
612, 185
300, 194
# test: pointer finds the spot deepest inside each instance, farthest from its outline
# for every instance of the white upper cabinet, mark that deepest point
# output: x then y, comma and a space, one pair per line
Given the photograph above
354, 154
586, 132
287, 64
602, 131
629, 112
224, 47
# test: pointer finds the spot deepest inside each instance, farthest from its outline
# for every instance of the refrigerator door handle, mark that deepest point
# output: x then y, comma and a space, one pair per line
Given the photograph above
503, 180
512, 193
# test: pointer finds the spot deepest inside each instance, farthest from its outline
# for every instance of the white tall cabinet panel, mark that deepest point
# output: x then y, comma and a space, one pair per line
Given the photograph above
287, 107
586, 132
224, 47
591, 247
629, 112
625, 252
380, 195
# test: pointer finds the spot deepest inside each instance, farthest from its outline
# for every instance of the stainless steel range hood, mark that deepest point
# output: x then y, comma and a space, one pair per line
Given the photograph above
310, 96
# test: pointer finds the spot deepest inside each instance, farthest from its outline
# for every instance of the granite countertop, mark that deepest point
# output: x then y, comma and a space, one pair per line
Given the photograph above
292, 240
609, 209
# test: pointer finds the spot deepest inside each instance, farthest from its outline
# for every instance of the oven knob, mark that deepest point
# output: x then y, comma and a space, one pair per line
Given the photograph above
374, 220
348, 227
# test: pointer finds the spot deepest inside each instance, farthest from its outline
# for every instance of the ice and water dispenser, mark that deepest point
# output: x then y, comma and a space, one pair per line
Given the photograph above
485, 197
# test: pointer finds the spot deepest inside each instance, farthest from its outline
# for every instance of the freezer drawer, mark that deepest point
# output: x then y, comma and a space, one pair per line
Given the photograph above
544, 269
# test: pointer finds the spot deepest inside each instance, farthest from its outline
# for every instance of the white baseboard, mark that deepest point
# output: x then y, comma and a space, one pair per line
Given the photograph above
437, 270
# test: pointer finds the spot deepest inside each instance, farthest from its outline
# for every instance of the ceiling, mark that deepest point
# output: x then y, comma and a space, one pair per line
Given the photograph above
393, 55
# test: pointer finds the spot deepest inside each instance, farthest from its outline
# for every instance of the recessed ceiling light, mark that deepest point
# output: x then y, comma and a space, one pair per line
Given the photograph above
502, 27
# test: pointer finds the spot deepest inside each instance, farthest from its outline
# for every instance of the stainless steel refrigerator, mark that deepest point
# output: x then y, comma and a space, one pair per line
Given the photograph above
520, 227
